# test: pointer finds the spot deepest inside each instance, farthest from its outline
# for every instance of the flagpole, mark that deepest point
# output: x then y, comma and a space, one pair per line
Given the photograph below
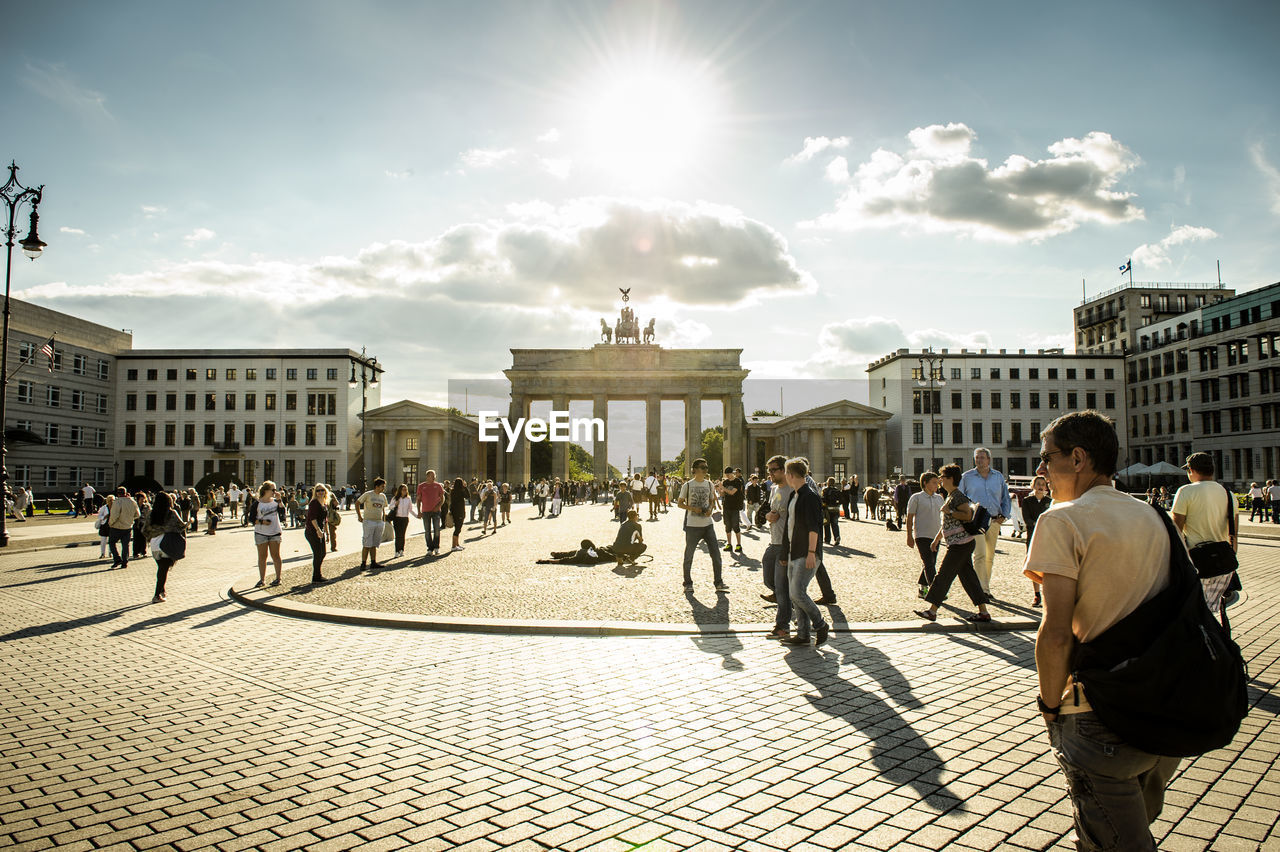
22, 364
1130, 265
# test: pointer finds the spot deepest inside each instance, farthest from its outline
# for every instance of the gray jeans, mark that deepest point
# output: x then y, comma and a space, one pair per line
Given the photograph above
775, 577
805, 609
1116, 790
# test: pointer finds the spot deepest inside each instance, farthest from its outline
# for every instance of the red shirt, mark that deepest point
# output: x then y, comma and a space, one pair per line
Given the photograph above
430, 496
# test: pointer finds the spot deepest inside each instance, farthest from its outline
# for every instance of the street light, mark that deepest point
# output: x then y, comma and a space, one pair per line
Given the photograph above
15, 195
931, 378
368, 377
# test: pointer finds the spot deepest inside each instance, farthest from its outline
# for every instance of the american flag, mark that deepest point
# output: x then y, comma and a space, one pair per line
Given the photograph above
47, 349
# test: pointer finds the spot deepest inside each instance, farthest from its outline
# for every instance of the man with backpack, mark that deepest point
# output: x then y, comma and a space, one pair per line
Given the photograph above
1100, 554
1205, 513
987, 487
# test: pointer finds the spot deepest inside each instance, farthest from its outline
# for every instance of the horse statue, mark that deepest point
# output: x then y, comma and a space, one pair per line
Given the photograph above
606, 333
626, 329
648, 331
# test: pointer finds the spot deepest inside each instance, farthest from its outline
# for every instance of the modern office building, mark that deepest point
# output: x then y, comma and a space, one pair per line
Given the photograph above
1108, 323
290, 415
68, 406
1209, 380
1000, 400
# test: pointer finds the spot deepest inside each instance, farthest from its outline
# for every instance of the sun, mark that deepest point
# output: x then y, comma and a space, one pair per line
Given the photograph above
648, 123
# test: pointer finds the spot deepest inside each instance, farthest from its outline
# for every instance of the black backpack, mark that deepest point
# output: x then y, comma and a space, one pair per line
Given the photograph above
1167, 678
981, 521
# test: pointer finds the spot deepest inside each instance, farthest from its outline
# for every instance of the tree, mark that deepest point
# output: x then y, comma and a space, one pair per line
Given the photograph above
582, 464
712, 450
761, 412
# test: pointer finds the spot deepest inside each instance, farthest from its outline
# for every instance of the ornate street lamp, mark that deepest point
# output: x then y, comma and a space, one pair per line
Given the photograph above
369, 370
931, 378
15, 195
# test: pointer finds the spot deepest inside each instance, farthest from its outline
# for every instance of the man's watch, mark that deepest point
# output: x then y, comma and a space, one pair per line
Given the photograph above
1046, 709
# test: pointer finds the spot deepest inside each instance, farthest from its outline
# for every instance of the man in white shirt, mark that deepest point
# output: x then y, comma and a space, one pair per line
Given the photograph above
1273, 495
651, 491
233, 498
1204, 511
88, 493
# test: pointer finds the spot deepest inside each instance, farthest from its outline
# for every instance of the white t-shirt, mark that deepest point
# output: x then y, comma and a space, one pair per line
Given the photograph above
1255, 492
234, 494
270, 513
1204, 504
88, 492
928, 512
698, 495
652, 484
1274, 493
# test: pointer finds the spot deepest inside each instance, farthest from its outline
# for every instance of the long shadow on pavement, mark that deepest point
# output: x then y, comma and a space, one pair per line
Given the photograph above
1009, 647
898, 752
69, 624
181, 615
720, 645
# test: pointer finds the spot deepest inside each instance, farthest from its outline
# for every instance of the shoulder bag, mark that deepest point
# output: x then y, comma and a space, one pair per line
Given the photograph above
1215, 558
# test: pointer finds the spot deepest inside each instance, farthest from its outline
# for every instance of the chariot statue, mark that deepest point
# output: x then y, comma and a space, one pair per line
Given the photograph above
627, 328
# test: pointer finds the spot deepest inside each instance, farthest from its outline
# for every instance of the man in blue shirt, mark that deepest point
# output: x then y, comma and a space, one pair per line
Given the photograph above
987, 488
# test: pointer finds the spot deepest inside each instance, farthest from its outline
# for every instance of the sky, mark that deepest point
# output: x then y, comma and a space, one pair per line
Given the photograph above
816, 183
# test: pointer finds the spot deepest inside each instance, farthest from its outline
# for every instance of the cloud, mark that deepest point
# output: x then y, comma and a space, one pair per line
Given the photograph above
815, 145
556, 166
1157, 254
576, 254
77, 231
199, 235
1269, 172
552, 135
55, 82
151, 211
848, 345
938, 186
479, 159
487, 158
837, 170
401, 175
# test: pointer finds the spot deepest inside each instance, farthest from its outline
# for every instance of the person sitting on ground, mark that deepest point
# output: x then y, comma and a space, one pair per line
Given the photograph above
586, 554
630, 541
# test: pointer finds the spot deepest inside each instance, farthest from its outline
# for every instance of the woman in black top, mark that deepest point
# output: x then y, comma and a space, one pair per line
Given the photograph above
160, 522
458, 508
1033, 506
316, 533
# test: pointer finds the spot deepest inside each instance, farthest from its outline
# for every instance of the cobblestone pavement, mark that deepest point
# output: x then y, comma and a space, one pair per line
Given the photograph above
495, 576
202, 724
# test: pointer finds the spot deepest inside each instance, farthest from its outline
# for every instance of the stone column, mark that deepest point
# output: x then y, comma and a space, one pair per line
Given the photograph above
693, 431
734, 435
424, 459
882, 453
600, 448
559, 449
515, 461
435, 459
860, 455
653, 432
827, 452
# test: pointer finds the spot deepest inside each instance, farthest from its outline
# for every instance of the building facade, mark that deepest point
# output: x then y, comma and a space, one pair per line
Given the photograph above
406, 439
1109, 323
839, 439
71, 408
999, 400
289, 415
1208, 380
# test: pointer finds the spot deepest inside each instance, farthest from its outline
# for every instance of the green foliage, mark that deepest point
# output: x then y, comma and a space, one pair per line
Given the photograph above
582, 462
713, 450
761, 412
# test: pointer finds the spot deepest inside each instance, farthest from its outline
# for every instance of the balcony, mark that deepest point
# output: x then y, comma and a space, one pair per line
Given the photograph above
1026, 444
226, 446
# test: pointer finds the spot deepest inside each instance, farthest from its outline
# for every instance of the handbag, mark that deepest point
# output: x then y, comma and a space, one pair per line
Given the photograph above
173, 545
1215, 558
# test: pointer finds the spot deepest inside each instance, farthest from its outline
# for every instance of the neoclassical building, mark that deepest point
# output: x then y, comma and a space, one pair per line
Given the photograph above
406, 439
839, 439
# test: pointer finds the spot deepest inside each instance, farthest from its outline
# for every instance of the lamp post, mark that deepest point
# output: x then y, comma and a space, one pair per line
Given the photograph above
15, 195
931, 378
368, 376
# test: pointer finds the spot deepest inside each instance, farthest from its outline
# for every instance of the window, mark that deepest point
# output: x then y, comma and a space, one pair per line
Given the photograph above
1035, 430
250, 401
151, 402
937, 433
1053, 399
80, 365
290, 434
53, 396
330, 470
171, 402
100, 438
250, 374
131, 402
411, 443
171, 375
955, 372
995, 372
77, 436
917, 433
1033, 373
975, 372
312, 372
957, 400
291, 374
249, 434
229, 402
104, 371
269, 402
208, 434
290, 468
957, 433
131, 375
50, 476
189, 435
1109, 374
268, 434
153, 375
975, 400
995, 399
211, 402
1015, 372
190, 402
309, 471
331, 436
210, 373
102, 404
1089, 373
1090, 400
271, 374
77, 400
228, 433
997, 433
1053, 373
130, 434
26, 353
1072, 399
149, 435
976, 429
1071, 373
309, 435
26, 392
1109, 400
291, 402
331, 374
1034, 401
1015, 400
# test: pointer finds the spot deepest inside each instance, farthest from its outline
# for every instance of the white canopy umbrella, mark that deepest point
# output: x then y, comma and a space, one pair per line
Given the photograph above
1135, 469
1165, 469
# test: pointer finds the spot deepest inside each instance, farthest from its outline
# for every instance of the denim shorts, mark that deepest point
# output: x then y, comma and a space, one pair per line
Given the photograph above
263, 538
